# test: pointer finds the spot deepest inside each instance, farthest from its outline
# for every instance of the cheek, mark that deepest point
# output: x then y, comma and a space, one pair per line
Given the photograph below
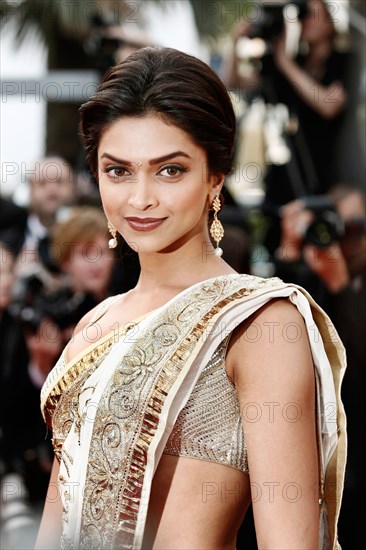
106, 269
111, 198
84, 265
75, 267
36, 193
193, 193
64, 191
6, 278
193, 201
107, 260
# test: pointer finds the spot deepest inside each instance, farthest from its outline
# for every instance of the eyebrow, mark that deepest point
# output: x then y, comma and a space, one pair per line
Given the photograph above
157, 160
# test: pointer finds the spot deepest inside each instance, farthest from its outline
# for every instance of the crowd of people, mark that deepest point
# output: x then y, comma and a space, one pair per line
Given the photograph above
55, 266
57, 262
314, 203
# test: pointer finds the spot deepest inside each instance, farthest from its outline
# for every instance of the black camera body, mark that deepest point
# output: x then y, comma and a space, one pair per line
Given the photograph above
271, 18
34, 303
327, 226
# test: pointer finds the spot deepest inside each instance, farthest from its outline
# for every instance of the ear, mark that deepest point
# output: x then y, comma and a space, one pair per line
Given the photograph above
215, 185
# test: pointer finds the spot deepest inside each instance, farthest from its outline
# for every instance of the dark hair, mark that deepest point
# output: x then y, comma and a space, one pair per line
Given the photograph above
177, 87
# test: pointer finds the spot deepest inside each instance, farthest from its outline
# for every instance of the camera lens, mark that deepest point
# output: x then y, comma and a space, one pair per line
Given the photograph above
324, 230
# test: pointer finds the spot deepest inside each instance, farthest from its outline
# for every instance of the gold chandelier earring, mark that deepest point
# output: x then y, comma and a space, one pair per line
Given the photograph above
112, 243
216, 229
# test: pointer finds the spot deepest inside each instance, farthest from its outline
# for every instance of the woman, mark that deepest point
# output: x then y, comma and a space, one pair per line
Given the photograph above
195, 362
80, 248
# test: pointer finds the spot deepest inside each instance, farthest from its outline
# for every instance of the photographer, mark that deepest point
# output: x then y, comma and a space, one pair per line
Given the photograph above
318, 86
26, 455
339, 268
330, 240
310, 248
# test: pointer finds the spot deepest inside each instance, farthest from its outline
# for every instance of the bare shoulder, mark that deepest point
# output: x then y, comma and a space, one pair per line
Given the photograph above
271, 343
278, 315
276, 310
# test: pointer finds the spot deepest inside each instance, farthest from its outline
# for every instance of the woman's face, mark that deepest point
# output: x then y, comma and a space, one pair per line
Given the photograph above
317, 24
90, 266
351, 209
154, 184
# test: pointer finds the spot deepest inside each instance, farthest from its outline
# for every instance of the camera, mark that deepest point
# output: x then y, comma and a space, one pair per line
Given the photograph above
34, 303
268, 24
327, 226
109, 42
272, 15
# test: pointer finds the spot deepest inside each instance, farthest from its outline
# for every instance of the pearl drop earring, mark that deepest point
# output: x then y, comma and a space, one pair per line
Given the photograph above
216, 229
112, 243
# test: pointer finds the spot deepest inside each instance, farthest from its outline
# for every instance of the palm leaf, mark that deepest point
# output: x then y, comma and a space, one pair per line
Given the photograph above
74, 18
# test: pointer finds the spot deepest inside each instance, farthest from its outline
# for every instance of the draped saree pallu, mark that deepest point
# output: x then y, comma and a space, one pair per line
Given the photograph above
112, 410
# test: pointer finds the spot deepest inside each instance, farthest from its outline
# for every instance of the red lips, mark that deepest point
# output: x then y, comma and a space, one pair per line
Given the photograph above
144, 224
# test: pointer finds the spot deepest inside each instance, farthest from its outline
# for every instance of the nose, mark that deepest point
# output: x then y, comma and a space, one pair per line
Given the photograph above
142, 195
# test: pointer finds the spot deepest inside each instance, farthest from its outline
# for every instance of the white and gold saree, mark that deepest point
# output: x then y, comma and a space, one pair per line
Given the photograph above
112, 409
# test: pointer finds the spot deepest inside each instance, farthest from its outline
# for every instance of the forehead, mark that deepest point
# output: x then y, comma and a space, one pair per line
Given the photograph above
145, 138
351, 206
6, 260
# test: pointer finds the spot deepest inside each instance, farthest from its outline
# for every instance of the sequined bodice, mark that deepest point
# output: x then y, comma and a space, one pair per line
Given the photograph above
209, 426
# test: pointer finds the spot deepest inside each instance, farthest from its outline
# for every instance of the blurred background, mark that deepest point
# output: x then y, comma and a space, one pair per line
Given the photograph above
295, 204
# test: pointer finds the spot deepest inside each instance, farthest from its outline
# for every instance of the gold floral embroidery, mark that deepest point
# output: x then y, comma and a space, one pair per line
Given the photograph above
64, 410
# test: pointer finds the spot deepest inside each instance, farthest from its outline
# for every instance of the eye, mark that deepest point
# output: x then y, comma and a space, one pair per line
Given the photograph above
115, 171
172, 170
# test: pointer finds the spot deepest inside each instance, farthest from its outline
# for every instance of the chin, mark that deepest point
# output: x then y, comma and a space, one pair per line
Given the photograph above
94, 288
147, 245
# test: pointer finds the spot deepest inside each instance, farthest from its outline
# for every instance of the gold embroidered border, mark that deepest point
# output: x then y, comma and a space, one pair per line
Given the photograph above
130, 500
70, 376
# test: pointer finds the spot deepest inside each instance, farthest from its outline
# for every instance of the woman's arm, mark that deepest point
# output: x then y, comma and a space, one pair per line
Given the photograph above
271, 365
50, 530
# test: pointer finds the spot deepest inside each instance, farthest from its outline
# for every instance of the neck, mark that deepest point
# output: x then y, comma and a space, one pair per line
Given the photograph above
48, 220
176, 270
100, 295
